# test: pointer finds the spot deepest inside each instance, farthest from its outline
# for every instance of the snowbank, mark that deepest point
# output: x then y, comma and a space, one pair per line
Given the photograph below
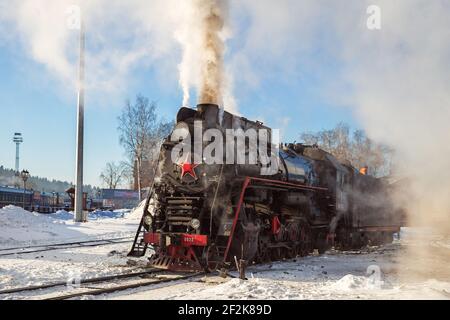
352, 282
137, 212
95, 215
18, 225
254, 288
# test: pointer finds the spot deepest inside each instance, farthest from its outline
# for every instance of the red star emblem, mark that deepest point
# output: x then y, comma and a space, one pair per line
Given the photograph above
187, 168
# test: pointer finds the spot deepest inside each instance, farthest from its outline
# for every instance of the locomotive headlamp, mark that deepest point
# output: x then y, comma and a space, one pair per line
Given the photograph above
195, 223
148, 220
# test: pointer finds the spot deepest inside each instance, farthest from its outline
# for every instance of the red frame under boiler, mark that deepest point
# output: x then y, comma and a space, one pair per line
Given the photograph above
273, 183
192, 240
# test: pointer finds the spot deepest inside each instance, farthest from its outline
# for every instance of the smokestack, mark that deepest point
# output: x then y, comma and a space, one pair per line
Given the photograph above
202, 107
210, 112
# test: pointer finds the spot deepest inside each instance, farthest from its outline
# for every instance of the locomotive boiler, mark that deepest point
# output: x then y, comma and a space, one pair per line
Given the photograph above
225, 189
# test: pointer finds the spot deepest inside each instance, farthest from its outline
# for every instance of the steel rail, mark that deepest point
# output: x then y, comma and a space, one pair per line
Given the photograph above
96, 292
51, 247
63, 243
82, 281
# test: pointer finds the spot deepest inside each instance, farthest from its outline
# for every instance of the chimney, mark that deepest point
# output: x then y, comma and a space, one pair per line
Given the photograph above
209, 112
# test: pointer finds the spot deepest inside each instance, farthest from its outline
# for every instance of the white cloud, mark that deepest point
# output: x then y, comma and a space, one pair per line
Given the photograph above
120, 36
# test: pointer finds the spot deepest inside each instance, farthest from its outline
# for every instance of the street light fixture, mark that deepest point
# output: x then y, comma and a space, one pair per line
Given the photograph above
54, 200
25, 175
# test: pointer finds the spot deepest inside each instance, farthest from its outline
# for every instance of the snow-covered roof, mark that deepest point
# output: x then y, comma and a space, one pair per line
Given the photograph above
15, 190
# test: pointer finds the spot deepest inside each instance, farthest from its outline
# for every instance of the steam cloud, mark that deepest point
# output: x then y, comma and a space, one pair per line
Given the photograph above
395, 80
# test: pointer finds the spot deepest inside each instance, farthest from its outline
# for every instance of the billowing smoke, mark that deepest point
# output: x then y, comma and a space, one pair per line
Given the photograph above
212, 66
202, 35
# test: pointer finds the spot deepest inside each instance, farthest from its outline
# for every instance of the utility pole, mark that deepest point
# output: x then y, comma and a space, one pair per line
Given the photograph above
17, 139
80, 132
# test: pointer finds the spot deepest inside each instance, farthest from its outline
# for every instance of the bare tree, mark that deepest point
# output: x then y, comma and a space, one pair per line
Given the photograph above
113, 174
336, 141
359, 149
365, 152
141, 133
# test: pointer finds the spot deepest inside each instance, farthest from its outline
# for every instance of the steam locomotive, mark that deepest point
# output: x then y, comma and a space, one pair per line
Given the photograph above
295, 199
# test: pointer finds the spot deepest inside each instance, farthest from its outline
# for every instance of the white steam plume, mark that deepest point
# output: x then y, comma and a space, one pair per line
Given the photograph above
395, 79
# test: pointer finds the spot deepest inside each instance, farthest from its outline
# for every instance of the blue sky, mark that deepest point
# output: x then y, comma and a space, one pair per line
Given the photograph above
34, 101
47, 120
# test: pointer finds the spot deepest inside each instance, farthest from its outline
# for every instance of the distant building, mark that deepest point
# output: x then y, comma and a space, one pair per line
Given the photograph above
71, 193
119, 198
43, 202
16, 197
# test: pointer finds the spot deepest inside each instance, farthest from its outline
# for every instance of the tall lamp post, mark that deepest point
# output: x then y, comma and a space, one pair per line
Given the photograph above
80, 132
54, 201
25, 175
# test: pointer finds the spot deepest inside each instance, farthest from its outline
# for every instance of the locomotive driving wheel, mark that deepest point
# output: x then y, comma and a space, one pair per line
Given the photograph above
277, 253
263, 254
212, 258
293, 237
292, 252
305, 239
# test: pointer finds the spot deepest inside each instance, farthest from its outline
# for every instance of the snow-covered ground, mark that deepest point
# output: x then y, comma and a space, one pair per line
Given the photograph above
20, 227
369, 274
372, 273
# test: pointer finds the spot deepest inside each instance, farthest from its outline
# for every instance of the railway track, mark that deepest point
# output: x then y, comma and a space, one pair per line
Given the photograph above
98, 286
67, 245
139, 284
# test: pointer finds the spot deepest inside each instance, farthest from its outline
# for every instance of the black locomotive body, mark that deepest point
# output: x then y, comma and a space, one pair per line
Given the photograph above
208, 215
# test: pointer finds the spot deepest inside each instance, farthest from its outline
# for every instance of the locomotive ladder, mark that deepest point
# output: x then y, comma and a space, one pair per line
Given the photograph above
139, 246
